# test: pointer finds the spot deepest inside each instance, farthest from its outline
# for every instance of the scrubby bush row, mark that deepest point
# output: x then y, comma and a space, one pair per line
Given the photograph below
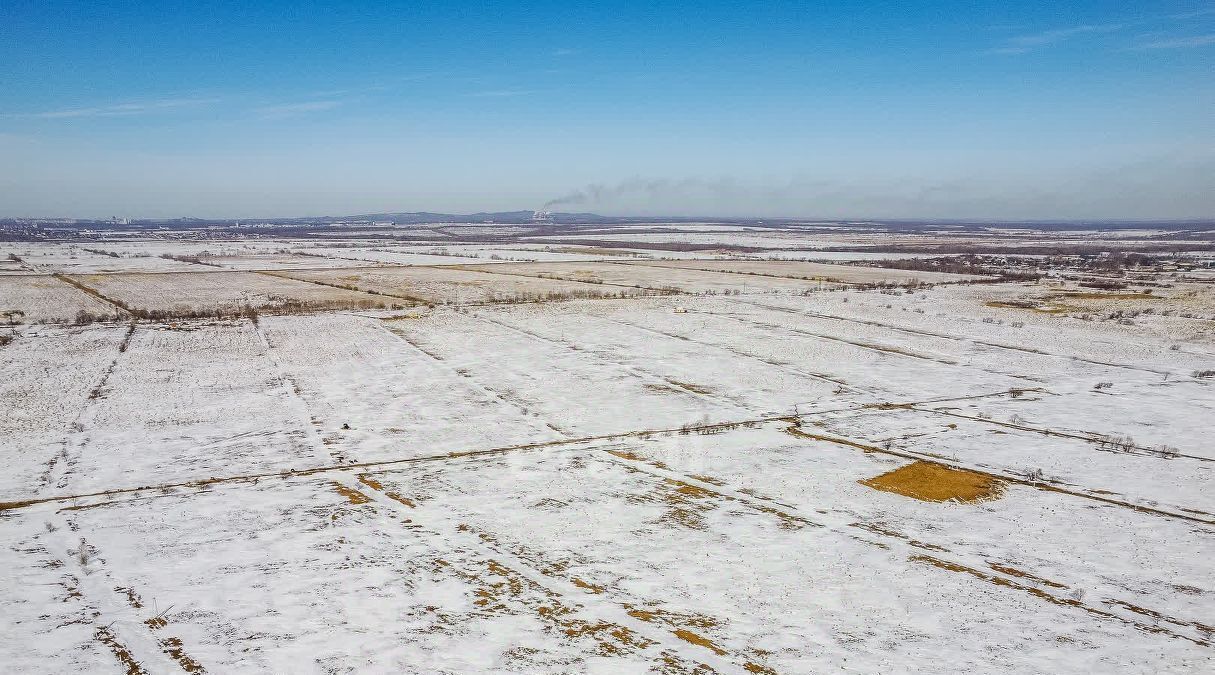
1124, 443
195, 259
101, 252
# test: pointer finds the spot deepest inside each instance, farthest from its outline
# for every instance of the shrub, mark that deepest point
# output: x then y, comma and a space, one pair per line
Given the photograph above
250, 313
1165, 451
85, 317
1115, 443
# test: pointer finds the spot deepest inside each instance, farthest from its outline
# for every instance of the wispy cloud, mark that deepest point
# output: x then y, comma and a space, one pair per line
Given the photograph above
1022, 44
121, 109
501, 93
1179, 43
1029, 42
349, 91
289, 109
1196, 14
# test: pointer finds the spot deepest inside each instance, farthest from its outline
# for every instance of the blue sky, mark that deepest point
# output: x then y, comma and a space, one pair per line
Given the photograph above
1031, 110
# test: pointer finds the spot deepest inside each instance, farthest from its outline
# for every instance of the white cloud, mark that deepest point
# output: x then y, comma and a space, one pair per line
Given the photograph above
288, 109
501, 93
121, 109
1027, 43
1180, 43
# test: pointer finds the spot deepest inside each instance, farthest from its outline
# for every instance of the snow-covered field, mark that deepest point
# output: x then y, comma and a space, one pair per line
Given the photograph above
41, 298
222, 291
810, 270
797, 478
449, 285
668, 277
88, 258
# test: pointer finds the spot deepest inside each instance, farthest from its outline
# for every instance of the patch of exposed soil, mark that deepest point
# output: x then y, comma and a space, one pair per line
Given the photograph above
353, 495
107, 638
931, 482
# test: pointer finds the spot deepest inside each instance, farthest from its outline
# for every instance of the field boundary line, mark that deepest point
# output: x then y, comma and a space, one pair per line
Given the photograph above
787, 368
653, 291
916, 548
281, 274
453, 455
1089, 436
959, 338
462, 454
819, 280
1007, 477
635, 371
93, 292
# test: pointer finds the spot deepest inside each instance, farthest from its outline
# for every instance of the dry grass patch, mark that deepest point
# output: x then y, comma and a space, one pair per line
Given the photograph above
354, 496
931, 482
1088, 295
1025, 304
129, 664
700, 641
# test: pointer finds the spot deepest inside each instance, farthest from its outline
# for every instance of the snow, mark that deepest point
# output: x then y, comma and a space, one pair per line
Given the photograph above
44, 298
600, 484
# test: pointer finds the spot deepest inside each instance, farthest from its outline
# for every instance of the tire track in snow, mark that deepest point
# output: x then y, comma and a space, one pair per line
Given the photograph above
584, 596
295, 400
957, 338
59, 468
635, 371
783, 366
471, 382
120, 625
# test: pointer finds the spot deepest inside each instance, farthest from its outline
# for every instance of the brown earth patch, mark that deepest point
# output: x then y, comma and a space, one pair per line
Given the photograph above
1021, 574
173, 648
370, 482
587, 585
376, 485
632, 456
504, 596
695, 388
105, 637
931, 482
351, 494
133, 598
676, 619
684, 503
689, 636
708, 479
